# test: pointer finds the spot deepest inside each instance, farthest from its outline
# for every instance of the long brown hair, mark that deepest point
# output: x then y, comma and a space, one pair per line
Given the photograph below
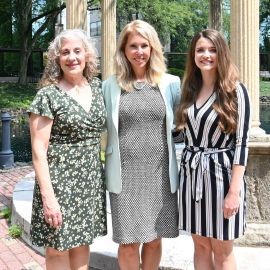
225, 85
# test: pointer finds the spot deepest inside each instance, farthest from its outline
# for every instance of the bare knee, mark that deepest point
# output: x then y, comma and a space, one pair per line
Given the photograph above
54, 253
202, 246
155, 244
128, 249
223, 251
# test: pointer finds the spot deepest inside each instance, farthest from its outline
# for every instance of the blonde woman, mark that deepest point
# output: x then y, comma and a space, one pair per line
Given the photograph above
141, 169
67, 117
215, 115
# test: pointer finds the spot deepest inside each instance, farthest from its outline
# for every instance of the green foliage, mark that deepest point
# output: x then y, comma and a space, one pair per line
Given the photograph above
5, 213
176, 71
15, 231
175, 21
264, 88
265, 24
5, 23
16, 96
226, 16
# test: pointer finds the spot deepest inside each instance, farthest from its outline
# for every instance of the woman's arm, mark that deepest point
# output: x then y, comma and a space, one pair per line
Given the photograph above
40, 129
232, 199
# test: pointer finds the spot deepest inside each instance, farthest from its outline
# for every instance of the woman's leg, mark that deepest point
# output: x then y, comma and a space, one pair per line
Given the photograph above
151, 255
223, 254
57, 259
129, 256
203, 256
79, 258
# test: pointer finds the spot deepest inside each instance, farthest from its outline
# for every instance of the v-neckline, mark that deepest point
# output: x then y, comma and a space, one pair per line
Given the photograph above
198, 108
75, 101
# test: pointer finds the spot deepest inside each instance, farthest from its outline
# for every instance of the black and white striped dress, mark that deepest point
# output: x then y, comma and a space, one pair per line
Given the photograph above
205, 170
145, 209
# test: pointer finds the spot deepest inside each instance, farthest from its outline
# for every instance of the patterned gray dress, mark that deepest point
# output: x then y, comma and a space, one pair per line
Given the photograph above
75, 169
145, 209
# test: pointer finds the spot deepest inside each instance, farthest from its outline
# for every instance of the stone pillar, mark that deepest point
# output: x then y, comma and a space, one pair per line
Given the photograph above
108, 36
76, 14
245, 51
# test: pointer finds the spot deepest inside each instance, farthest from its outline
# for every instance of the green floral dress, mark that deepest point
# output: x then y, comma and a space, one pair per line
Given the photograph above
75, 169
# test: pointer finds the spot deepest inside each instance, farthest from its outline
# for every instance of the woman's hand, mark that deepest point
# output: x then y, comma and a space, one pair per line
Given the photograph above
231, 204
40, 128
52, 212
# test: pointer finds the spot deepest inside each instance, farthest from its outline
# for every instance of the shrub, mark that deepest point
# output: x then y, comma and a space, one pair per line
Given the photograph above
5, 213
176, 71
15, 231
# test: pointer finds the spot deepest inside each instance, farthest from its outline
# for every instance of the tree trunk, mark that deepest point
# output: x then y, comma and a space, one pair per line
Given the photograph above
26, 37
25, 54
215, 14
27, 40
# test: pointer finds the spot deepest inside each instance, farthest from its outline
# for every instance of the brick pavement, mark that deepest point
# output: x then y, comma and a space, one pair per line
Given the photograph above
15, 254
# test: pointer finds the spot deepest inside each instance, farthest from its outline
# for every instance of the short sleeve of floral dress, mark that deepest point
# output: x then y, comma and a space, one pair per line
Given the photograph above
75, 169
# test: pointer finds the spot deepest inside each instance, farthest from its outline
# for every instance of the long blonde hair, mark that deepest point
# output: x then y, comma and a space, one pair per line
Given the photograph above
53, 73
156, 66
225, 86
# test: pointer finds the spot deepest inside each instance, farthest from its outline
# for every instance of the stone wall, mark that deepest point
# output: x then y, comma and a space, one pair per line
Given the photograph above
258, 194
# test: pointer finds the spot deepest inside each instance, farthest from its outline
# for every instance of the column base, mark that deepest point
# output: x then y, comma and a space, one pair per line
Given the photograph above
256, 132
6, 161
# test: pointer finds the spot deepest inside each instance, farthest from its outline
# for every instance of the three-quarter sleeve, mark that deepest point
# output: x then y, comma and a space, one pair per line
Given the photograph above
42, 104
243, 126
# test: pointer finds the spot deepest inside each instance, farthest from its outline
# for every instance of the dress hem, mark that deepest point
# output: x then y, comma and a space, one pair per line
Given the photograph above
211, 236
145, 240
88, 243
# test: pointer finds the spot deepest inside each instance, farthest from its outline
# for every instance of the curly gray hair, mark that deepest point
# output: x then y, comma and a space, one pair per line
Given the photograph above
53, 73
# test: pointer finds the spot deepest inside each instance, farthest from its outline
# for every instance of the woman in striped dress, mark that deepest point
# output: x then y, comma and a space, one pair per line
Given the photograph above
215, 115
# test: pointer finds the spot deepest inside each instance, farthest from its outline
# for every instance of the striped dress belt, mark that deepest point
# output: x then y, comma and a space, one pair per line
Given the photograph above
199, 161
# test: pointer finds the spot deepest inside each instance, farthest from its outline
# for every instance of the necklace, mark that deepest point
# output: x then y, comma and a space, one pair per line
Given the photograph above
139, 85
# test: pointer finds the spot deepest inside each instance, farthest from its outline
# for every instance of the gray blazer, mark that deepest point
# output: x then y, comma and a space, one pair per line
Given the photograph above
170, 91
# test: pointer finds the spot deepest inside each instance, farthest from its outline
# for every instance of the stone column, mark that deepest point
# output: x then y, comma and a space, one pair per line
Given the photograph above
245, 51
108, 36
76, 14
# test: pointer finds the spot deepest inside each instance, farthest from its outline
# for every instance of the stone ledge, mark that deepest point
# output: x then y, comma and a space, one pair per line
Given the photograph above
22, 207
260, 147
256, 235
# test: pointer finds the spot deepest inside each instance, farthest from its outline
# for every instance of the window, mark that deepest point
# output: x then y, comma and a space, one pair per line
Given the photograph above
95, 29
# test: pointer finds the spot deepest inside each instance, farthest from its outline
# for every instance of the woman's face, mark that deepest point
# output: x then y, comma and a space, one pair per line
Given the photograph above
72, 57
138, 52
205, 55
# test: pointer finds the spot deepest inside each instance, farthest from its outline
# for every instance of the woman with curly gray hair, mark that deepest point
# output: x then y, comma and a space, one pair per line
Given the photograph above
67, 117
